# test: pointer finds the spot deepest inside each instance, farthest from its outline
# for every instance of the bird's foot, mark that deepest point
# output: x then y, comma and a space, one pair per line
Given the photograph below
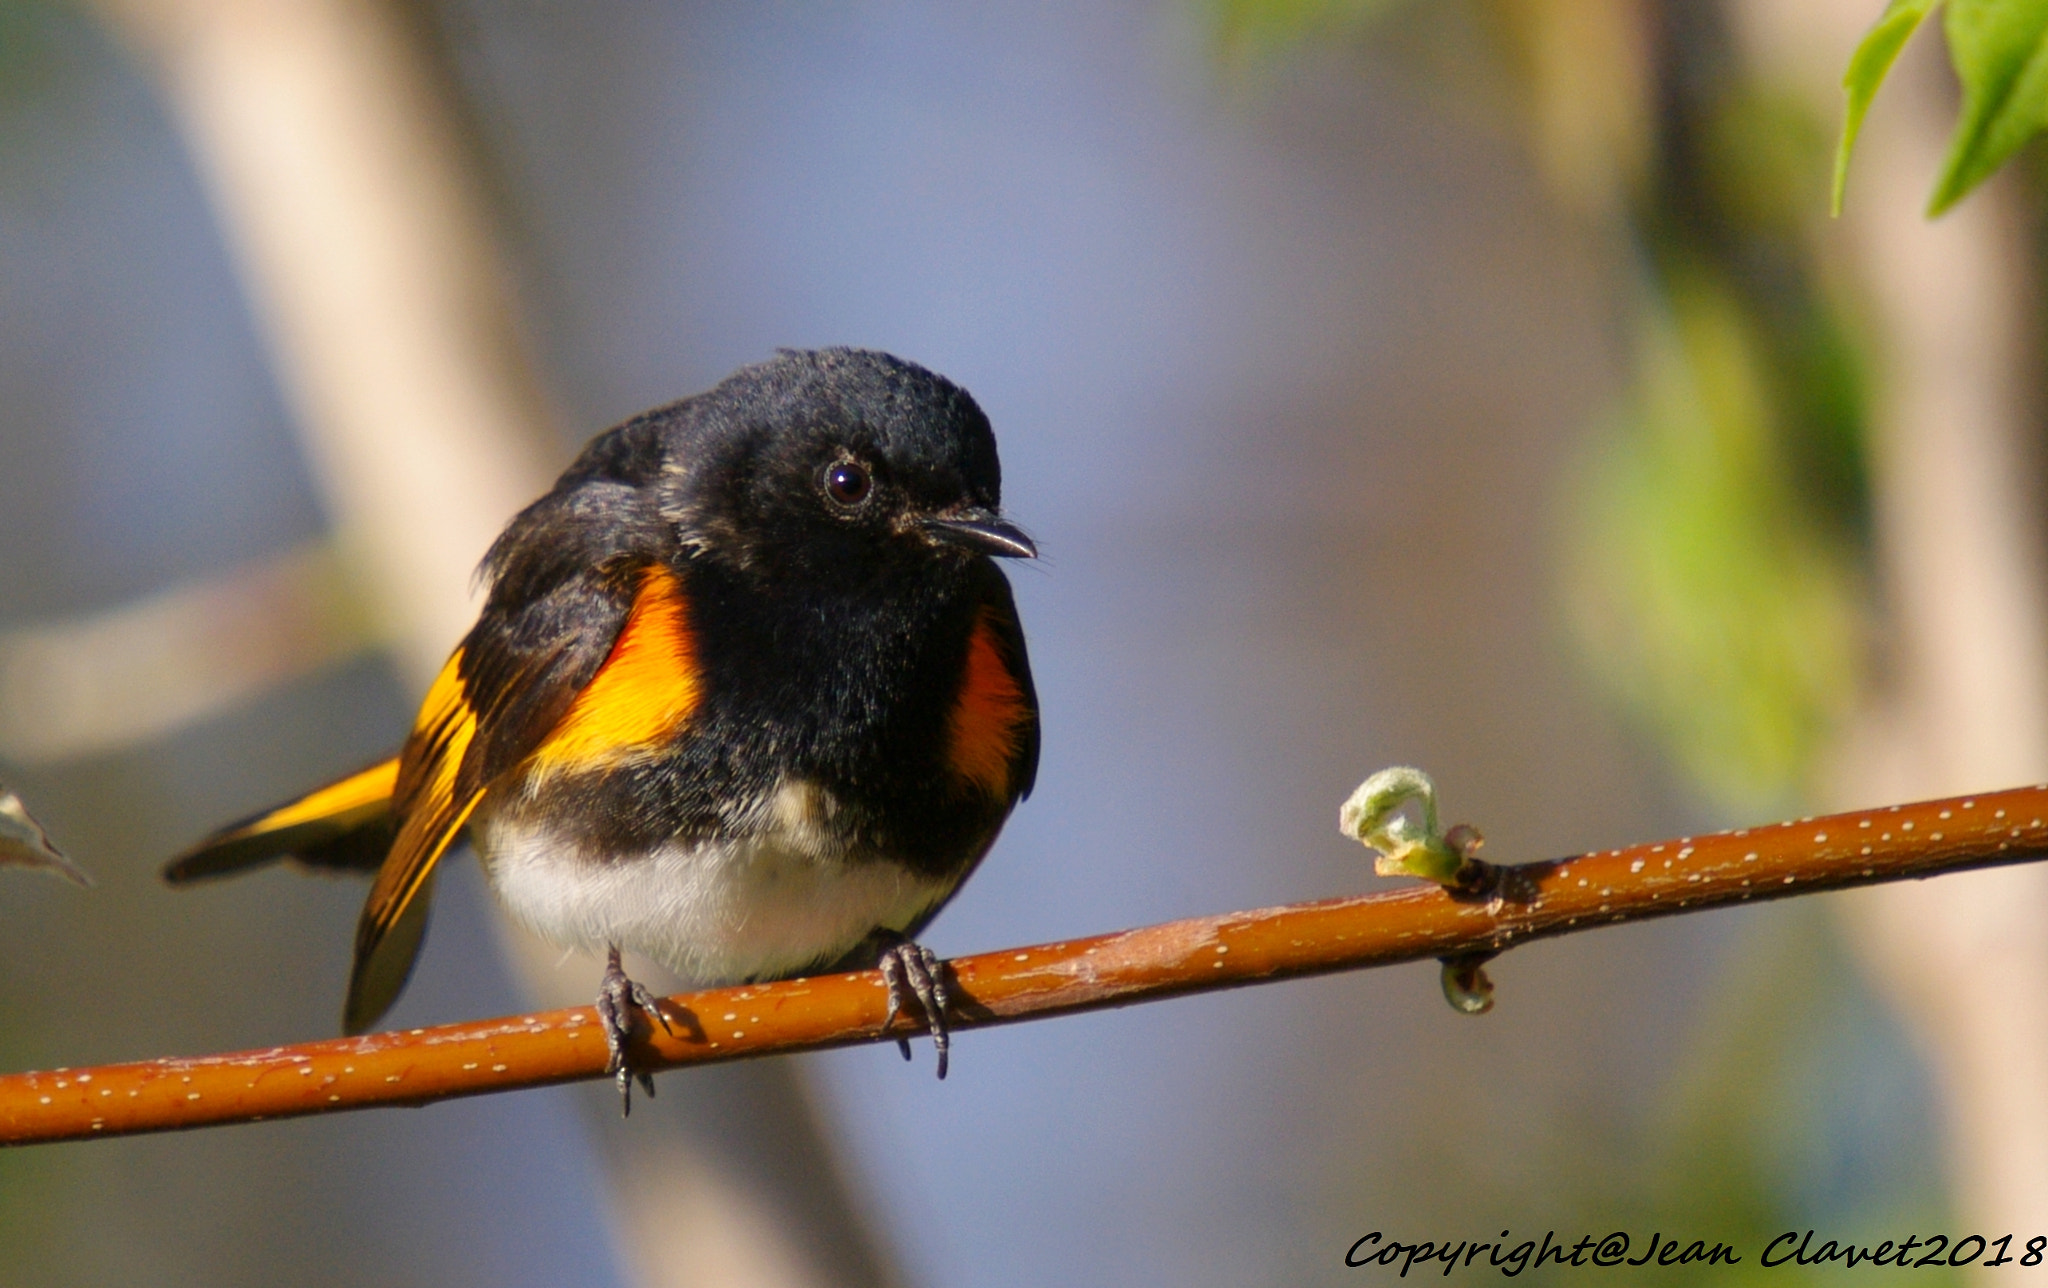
914, 971
617, 998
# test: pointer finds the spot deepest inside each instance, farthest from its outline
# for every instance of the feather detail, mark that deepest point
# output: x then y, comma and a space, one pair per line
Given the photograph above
345, 824
433, 810
985, 727
648, 686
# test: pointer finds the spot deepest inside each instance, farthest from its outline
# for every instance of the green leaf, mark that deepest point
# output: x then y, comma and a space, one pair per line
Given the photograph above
2000, 51
1867, 68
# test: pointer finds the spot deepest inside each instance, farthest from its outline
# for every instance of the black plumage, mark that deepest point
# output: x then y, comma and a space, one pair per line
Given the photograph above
798, 561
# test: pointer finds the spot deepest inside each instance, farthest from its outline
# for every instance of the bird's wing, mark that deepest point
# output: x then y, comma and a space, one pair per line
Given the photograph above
432, 810
570, 679
345, 824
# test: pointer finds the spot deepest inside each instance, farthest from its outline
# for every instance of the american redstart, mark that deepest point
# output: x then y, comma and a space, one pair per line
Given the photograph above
747, 695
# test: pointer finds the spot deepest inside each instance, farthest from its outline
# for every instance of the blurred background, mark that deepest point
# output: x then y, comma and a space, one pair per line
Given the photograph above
1476, 384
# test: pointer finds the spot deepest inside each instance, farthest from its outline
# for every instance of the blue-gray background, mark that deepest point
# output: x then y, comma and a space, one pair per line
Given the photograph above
1285, 369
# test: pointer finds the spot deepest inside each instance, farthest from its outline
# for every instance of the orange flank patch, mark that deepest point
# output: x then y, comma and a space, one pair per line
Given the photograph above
644, 691
982, 731
361, 793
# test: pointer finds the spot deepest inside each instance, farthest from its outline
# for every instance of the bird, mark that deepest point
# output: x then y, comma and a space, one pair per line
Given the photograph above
748, 695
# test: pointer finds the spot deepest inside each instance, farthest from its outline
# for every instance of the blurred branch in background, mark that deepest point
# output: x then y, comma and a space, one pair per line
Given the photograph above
1896, 493
1719, 570
1803, 550
1902, 464
327, 139
85, 687
365, 249
1963, 693
1802, 553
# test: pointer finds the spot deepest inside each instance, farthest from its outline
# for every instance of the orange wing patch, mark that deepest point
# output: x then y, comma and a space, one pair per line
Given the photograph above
646, 689
359, 794
387, 938
320, 817
982, 732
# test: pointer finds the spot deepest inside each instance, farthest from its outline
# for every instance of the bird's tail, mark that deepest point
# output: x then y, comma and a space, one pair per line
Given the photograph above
346, 825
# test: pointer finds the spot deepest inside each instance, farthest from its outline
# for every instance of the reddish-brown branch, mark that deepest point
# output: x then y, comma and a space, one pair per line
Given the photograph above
1524, 902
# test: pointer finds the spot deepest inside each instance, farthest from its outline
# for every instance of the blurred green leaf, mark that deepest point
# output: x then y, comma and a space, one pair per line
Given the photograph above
1242, 25
1708, 596
1867, 68
2000, 51
1761, 151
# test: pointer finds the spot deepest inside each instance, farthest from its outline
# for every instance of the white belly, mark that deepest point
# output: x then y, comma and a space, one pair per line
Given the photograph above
713, 912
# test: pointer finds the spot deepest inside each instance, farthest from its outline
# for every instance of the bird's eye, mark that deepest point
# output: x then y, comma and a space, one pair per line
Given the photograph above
848, 483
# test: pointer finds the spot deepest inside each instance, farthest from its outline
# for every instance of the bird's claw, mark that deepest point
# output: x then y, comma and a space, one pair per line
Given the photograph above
913, 971
618, 996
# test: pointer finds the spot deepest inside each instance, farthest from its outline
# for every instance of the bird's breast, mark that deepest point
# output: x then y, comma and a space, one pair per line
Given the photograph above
782, 897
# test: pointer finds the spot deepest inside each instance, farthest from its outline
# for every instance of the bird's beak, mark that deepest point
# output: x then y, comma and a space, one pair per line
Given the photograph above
982, 531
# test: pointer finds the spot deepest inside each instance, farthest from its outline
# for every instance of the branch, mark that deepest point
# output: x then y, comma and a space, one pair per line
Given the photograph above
1507, 906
